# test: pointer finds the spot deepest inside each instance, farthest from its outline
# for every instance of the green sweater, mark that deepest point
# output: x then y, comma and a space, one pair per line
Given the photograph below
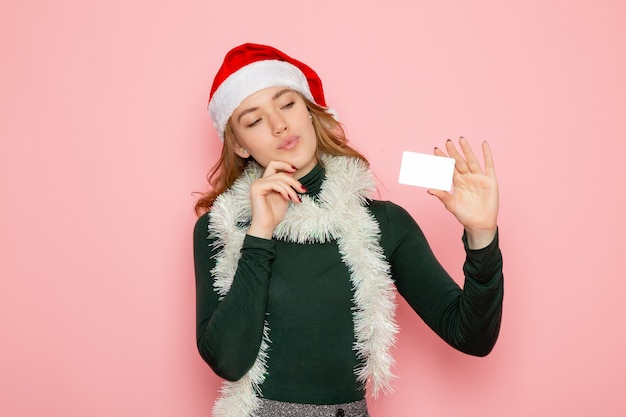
304, 292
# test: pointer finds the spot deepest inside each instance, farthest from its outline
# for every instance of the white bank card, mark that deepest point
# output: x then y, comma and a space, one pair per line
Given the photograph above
428, 171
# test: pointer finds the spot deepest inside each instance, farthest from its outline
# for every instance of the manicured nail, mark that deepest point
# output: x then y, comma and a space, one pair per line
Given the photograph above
303, 188
436, 148
294, 168
449, 140
299, 199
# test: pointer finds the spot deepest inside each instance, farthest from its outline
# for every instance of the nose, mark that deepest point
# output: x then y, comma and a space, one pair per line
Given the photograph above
279, 125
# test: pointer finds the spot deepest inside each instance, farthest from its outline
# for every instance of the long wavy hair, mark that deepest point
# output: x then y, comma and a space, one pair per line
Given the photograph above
331, 139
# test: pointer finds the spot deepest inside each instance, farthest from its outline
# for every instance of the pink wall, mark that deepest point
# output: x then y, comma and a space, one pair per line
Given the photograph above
104, 135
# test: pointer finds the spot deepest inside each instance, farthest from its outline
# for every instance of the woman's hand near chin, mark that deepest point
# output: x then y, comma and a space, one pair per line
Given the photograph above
270, 196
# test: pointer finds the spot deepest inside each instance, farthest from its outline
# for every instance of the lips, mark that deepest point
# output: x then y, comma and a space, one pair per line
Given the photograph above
288, 143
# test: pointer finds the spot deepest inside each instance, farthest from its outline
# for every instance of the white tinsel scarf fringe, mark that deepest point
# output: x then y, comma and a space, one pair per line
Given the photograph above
338, 213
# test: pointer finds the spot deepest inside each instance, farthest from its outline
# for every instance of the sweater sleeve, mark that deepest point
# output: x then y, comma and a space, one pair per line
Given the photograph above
469, 318
229, 330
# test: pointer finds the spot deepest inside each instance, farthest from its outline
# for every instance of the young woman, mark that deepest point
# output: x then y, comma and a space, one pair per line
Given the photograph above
297, 265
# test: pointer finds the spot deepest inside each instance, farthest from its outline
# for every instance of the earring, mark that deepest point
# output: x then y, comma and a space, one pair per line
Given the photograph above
310, 116
244, 151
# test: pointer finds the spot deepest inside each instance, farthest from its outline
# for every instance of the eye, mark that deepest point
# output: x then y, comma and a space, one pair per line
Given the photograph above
256, 122
289, 105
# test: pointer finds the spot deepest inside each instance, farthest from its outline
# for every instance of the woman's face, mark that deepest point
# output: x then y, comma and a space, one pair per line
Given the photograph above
274, 125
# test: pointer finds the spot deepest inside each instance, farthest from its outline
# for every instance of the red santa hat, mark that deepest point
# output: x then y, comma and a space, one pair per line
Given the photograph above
249, 68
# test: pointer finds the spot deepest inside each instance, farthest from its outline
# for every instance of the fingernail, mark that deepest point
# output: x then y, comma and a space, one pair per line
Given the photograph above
299, 199
449, 140
303, 188
436, 148
461, 137
294, 168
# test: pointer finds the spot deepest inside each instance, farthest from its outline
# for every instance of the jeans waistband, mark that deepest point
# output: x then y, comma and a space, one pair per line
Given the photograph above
272, 408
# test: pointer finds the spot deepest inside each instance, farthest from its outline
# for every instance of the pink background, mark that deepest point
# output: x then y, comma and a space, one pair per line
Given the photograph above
104, 136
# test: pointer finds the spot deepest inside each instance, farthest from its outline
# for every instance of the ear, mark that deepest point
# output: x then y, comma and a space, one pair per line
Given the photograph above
241, 152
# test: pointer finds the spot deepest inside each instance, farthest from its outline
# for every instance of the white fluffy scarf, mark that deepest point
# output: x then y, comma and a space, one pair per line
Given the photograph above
338, 213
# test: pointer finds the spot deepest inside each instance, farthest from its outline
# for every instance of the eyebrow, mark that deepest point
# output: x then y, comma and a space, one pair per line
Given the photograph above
275, 97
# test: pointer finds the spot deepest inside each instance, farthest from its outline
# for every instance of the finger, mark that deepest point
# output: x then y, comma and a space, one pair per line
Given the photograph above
489, 166
470, 157
274, 167
461, 164
293, 183
444, 196
267, 188
286, 177
439, 152
288, 193
289, 184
